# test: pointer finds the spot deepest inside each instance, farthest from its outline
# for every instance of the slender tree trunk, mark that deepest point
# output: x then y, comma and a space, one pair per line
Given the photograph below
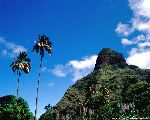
37, 90
18, 84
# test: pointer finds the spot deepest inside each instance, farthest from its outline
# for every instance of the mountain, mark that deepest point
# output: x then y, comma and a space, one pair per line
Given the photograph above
110, 57
113, 90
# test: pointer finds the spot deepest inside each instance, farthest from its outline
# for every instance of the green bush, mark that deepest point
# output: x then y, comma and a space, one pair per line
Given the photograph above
12, 108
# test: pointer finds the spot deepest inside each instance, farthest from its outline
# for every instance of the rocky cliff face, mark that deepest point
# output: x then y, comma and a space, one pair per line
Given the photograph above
110, 57
112, 90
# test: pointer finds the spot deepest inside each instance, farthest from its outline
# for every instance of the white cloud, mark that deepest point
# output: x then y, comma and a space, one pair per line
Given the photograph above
59, 71
139, 27
141, 24
140, 7
77, 69
15, 48
87, 62
143, 45
77, 75
139, 38
123, 29
140, 21
11, 48
141, 59
125, 41
133, 51
136, 40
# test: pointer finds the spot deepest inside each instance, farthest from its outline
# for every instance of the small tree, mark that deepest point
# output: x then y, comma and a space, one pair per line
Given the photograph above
47, 107
12, 108
22, 63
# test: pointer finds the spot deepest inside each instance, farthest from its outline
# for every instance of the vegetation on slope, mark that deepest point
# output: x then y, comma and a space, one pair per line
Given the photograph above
112, 90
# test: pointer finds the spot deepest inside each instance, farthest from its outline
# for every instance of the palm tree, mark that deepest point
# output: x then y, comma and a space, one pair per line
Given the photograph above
22, 63
40, 46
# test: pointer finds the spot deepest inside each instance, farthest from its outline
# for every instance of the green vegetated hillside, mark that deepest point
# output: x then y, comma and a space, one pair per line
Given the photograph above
113, 90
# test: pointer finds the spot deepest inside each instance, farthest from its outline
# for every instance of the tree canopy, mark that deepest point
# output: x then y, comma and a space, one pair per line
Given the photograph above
12, 108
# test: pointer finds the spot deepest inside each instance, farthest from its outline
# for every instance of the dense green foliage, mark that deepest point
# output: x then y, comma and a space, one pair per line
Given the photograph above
113, 90
12, 108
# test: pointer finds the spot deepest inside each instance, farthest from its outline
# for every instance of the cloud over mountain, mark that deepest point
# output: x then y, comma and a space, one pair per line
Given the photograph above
76, 68
139, 27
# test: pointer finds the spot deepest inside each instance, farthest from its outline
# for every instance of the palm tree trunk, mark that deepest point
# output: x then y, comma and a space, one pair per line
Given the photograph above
37, 90
18, 83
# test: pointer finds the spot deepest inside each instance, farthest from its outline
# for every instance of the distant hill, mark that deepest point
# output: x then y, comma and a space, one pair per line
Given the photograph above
113, 90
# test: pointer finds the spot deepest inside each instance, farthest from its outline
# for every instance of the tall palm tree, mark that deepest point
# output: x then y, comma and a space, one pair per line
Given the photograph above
22, 63
40, 46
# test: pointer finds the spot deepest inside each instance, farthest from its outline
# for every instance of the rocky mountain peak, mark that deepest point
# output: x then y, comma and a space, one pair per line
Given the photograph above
88, 98
110, 57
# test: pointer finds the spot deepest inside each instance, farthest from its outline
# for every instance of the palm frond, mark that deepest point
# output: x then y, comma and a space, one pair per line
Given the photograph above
36, 48
43, 44
21, 63
27, 68
27, 60
48, 49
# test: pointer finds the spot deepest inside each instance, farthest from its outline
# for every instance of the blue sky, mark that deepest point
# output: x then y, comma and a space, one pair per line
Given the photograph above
78, 29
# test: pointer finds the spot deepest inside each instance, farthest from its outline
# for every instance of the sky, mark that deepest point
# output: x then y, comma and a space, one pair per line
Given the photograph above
78, 30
